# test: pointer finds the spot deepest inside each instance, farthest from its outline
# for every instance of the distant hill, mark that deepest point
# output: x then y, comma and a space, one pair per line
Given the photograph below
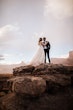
64, 61
59, 60
9, 68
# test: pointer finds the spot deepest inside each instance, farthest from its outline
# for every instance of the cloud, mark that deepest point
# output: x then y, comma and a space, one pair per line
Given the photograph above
8, 33
1, 57
11, 58
6, 29
40, 34
59, 8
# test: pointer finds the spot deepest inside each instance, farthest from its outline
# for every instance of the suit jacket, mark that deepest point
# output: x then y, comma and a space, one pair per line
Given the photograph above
48, 45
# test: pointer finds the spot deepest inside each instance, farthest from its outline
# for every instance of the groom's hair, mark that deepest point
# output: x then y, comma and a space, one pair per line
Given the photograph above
44, 38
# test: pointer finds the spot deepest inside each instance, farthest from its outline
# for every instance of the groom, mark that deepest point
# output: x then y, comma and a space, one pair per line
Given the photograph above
46, 46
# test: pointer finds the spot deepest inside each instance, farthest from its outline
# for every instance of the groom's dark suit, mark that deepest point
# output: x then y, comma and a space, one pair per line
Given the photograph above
46, 50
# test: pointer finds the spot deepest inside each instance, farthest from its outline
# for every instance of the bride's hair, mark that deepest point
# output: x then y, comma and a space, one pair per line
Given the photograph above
40, 39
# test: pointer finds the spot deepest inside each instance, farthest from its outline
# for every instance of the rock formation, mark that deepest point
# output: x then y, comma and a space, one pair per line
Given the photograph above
45, 87
29, 85
43, 69
23, 70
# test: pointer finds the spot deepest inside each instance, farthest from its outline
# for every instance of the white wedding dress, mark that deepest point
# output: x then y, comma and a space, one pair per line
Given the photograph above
39, 57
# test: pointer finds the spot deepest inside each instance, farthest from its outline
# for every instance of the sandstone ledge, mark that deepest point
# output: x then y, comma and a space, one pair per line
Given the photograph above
43, 69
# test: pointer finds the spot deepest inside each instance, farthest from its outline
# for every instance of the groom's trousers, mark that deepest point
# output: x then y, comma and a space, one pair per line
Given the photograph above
46, 51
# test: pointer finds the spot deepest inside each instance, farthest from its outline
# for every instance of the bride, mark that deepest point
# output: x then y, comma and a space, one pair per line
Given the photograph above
39, 57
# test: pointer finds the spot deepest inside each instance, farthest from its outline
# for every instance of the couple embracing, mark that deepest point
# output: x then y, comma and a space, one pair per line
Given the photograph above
42, 52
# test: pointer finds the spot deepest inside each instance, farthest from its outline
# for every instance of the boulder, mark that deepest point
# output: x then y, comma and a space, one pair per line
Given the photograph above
29, 85
22, 70
54, 83
57, 82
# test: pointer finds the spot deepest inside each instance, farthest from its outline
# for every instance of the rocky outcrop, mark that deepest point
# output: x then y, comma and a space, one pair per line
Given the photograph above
53, 69
56, 83
4, 84
23, 70
47, 87
29, 85
33, 85
43, 69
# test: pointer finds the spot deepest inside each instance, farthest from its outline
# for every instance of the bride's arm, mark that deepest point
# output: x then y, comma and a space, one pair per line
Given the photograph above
42, 44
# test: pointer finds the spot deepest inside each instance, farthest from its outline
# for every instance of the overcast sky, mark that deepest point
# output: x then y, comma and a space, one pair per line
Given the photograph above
22, 22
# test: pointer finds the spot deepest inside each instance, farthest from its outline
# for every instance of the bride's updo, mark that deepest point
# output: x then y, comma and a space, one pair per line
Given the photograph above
40, 39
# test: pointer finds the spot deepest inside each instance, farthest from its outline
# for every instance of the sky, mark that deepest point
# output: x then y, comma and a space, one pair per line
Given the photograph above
23, 22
